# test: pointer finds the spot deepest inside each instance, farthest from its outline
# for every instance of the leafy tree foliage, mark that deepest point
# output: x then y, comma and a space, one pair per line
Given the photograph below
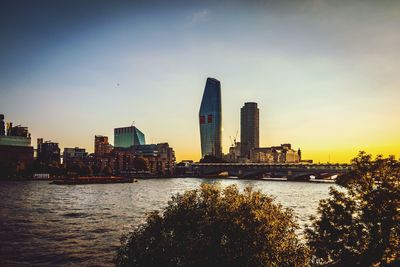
107, 171
53, 168
140, 164
8, 169
359, 225
212, 226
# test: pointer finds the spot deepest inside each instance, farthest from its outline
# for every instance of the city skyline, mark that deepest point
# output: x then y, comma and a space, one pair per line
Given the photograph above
324, 75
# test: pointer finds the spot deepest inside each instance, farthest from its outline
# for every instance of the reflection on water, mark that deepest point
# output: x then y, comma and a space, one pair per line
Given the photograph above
47, 225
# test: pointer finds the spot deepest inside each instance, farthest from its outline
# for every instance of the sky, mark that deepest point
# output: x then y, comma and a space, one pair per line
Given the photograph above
325, 74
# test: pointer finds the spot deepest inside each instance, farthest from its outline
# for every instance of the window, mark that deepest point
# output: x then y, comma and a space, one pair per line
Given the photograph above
202, 119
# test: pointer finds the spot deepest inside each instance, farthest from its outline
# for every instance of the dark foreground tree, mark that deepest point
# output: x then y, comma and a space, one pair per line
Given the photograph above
359, 225
211, 226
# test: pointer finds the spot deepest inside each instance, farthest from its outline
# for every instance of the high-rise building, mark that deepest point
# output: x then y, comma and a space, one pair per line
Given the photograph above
210, 116
128, 136
101, 145
249, 128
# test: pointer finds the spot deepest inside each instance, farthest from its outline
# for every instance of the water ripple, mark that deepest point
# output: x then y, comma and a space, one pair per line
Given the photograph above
50, 225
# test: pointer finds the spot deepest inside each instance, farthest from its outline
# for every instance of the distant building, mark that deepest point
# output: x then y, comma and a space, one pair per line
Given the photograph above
275, 154
15, 145
249, 128
159, 159
184, 168
128, 136
210, 116
48, 152
71, 155
234, 153
167, 159
2, 125
101, 145
15, 135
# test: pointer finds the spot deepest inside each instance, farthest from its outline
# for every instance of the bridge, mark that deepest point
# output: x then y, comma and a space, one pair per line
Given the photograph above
292, 171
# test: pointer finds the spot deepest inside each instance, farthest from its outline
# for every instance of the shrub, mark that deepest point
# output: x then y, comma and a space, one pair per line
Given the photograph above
359, 225
212, 226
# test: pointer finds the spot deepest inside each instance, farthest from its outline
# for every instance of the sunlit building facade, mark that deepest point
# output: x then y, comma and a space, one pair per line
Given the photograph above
275, 154
211, 119
101, 145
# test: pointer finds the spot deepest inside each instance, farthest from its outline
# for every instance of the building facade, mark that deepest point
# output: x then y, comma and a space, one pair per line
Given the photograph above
15, 146
2, 125
48, 152
275, 154
128, 136
249, 128
101, 145
138, 160
70, 155
210, 119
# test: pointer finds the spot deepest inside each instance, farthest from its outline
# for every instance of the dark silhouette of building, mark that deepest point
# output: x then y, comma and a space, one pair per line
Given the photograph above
249, 128
71, 155
128, 136
2, 126
210, 116
101, 145
48, 152
15, 146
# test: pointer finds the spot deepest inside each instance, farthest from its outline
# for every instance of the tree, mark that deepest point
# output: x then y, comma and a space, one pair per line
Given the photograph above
8, 169
359, 225
140, 164
211, 226
107, 170
86, 171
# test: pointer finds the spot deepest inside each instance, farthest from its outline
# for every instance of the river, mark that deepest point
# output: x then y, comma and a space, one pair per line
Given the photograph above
66, 225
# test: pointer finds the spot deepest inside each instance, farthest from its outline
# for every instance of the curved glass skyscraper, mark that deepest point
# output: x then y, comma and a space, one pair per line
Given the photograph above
211, 119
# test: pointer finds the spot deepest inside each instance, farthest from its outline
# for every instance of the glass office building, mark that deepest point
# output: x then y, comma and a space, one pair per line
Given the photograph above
211, 119
128, 136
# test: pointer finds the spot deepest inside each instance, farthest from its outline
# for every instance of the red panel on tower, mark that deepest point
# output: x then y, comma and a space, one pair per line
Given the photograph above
209, 119
202, 119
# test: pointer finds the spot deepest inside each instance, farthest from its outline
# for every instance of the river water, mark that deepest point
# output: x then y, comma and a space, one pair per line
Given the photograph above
81, 225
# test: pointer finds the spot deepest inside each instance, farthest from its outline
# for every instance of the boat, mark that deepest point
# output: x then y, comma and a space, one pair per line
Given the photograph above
93, 180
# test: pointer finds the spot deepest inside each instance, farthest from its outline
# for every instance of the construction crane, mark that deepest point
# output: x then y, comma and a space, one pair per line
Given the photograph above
234, 139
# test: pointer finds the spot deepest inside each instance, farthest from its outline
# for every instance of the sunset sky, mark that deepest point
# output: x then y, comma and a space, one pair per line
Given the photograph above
326, 74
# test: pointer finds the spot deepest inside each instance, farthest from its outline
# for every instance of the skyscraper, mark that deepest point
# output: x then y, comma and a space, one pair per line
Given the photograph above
249, 128
211, 119
128, 136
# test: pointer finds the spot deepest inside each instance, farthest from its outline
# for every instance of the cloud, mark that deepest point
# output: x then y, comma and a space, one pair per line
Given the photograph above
200, 16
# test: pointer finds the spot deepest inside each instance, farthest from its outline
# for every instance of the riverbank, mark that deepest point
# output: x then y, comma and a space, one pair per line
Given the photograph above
96, 179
